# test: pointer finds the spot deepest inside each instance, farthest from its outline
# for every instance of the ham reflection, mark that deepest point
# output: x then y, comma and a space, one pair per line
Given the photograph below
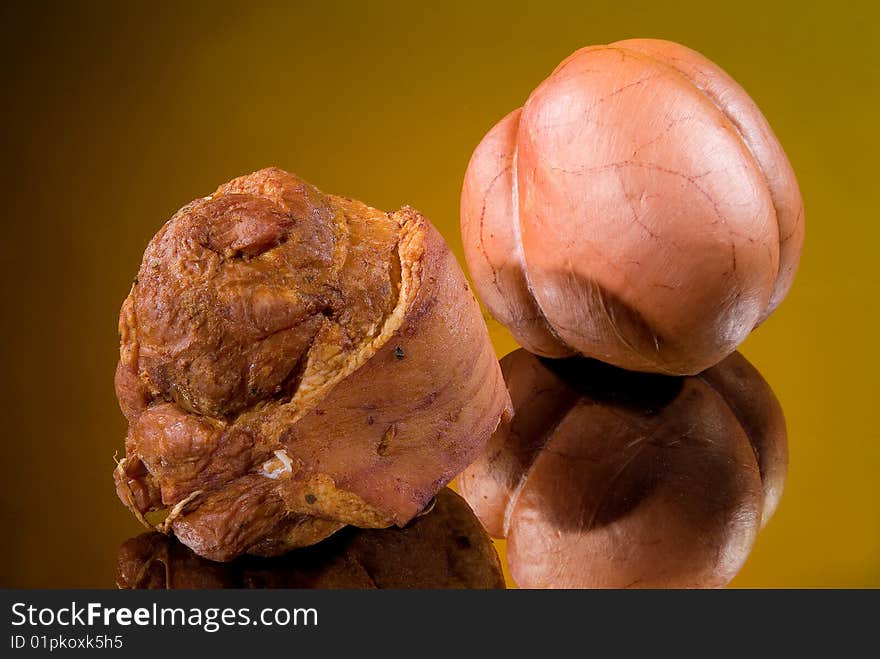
444, 548
606, 478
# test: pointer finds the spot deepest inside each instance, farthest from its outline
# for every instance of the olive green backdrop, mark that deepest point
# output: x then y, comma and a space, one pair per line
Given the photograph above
115, 116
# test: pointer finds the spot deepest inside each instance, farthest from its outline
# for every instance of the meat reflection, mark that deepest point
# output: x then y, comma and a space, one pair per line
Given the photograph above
444, 548
610, 478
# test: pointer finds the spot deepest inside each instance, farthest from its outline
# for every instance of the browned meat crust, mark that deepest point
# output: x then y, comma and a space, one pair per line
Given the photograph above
292, 362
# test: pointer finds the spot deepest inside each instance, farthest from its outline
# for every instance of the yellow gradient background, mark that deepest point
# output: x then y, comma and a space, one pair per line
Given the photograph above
117, 114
